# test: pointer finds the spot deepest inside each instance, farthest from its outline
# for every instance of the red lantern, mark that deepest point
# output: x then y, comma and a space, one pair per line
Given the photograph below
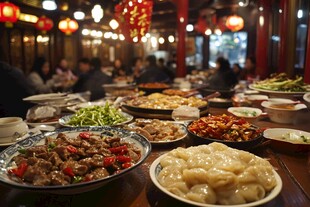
134, 17
44, 24
68, 26
9, 13
234, 23
201, 25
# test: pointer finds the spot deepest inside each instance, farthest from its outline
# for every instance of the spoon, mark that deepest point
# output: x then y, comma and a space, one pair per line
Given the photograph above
212, 95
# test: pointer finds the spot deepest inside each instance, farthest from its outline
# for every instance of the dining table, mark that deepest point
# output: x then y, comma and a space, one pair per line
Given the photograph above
136, 189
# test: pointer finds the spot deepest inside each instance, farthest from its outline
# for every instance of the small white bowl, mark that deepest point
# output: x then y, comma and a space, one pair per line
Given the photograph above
248, 113
282, 115
306, 98
12, 128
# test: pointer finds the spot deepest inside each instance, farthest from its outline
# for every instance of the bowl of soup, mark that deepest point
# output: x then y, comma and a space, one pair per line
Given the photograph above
283, 111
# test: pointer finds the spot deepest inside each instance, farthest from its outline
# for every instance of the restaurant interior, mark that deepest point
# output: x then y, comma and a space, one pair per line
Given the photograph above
215, 114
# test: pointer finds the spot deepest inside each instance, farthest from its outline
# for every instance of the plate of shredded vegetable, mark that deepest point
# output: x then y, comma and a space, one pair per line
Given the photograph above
281, 84
106, 115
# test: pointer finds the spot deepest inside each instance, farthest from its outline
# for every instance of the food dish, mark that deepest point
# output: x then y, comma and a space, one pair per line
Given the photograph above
278, 93
64, 120
156, 169
5, 159
239, 134
249, 113
288, 140
84, 105
157, 131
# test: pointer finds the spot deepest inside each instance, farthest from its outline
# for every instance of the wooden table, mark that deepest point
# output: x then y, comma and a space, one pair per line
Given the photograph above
135, 189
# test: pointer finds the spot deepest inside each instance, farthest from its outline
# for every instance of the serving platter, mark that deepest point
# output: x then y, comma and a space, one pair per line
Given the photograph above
278, 93
63, 121
6, 156
156, 168
180, 126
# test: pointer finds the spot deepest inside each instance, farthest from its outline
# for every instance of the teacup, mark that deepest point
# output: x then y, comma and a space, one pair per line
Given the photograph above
12, 128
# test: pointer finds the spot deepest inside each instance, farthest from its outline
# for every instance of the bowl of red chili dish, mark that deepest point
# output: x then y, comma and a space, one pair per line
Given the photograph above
230, 130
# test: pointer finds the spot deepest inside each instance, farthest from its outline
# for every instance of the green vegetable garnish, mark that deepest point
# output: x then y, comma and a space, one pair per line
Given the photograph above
97, 116
22, 150
77, 179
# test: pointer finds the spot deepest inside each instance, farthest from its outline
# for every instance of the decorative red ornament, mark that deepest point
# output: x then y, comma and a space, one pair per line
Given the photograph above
134, 17
9, 13
201, 25
44, 24
234, 23
68, 26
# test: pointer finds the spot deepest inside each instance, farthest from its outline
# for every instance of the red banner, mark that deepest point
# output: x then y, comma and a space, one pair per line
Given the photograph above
134, 18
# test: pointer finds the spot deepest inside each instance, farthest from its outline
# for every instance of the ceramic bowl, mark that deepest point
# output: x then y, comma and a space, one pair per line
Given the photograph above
282, 115
12, 127
250, 114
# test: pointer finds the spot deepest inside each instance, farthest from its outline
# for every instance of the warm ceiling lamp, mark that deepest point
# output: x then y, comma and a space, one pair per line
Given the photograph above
113, 24
79, 15
68, 26
44, 24
49, 5
234, 23
97, 13
9, 13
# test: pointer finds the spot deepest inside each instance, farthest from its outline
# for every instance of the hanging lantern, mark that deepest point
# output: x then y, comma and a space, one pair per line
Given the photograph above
201, 25
68, 26
134, 17
234, 23
44, 24
9, 13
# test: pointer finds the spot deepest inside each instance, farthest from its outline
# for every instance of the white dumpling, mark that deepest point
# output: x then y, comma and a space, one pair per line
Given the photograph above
195, 176
169, 175
233, 198
216, 146
230, 165
170, 160
221, 179
204, 161
252, 192
247, 176
265, 176
179, 189
202, 193
182, 153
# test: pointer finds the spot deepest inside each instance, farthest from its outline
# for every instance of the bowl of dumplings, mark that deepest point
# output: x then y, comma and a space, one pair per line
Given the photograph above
215, 175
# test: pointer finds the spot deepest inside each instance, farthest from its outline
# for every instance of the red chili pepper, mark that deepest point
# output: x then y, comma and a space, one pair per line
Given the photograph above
126, 165
68, 171
20, 170
108, 161
123, 159
121, 149
71, 149
84, 135
88, 178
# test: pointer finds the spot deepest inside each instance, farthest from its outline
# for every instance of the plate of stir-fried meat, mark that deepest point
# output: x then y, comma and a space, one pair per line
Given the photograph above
71, 160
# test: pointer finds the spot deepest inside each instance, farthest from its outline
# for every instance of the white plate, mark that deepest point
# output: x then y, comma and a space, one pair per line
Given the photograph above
276, 92
182, 126
46, 97
279, 133
63, 120
34, 124
241, 111
86, 104
6, 155
156, 168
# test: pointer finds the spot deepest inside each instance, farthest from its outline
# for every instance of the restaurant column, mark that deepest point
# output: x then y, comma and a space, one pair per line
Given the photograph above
262, 39
182, 18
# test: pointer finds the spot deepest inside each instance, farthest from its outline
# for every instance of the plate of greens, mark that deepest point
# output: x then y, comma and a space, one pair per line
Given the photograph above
106, 115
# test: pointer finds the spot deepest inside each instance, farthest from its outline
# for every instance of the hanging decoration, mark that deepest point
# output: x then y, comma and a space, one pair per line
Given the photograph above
9, 13
234, 23
134, 18
68, 26
44, 24
201, 26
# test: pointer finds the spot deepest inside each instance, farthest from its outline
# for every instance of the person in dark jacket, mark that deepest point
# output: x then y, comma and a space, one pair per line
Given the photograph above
95, 80
14, 86
152, 73
224, 77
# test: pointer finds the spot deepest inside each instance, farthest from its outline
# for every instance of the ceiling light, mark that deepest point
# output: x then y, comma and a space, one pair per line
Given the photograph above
113, 24
49, 5
171, 38
189, 28
299, 14
97, 13
144, 39
121, 37
114, 36
161, 40
85, 32
208, 32
79, 15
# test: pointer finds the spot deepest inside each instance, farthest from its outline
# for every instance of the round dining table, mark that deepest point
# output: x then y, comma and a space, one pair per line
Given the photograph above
135, 189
